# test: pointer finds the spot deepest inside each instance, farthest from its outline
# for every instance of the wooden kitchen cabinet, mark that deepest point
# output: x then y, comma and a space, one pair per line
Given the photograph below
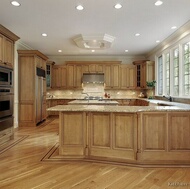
74, 76
49, 74
93, 68
7, 40
29, 88
144, 72
112, 76
127, 77
98, 135
59, 77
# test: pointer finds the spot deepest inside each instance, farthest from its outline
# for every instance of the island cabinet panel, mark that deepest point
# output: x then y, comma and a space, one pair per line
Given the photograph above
154, 131
163, 137
112, 136
179, 132
72, 133
100, 135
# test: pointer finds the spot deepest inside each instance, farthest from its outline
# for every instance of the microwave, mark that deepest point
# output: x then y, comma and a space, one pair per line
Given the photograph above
6, 77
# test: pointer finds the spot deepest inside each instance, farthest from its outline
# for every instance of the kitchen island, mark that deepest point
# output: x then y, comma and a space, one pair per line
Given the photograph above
138, 135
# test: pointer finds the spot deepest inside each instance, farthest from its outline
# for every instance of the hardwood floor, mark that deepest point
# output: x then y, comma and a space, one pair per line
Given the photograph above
21, 167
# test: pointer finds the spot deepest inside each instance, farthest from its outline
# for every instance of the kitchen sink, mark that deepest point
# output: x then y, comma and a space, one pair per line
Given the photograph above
162, 104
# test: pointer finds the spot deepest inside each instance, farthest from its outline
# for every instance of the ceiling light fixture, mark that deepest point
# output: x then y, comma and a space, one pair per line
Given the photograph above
93, 50
44, 34
15, 3
158, 3
93, 42
173, 27
79, 7
126, 50
157, 41
118, 6
59, 51
137, 34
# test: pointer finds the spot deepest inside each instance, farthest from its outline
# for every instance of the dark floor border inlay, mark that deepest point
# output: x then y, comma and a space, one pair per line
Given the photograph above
12, 143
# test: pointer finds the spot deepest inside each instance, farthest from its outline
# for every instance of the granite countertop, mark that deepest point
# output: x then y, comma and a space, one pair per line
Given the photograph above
112, 108
93, 102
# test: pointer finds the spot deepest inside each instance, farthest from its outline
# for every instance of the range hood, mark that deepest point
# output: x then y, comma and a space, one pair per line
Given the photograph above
93, 78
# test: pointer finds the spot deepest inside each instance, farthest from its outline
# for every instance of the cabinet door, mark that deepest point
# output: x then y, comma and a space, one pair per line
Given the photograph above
1, 49
8, 51
112, 76
108, 76
150, 75
78, 76
131, 77
127, 77
74, 76
70, 76
59, 75
115, 76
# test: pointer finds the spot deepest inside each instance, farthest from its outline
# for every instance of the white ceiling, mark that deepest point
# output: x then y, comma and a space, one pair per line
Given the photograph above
61, 21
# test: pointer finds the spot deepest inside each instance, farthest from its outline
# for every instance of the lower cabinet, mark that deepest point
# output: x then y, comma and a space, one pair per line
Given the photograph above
142, 138
98, 135
112, 135
164, 137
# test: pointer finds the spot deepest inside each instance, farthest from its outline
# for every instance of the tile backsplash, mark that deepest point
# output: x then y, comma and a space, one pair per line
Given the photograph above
94, 90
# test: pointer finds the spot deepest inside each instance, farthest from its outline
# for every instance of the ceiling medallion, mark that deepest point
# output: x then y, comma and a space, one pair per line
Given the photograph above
103, 41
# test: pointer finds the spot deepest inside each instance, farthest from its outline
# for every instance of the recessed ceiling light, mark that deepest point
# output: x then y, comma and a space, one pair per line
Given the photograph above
59, 51
137, 34
79, 7
157, 41
44, 34
118, 6
93, 50
173, 27
15, 3
158, 3
126, 50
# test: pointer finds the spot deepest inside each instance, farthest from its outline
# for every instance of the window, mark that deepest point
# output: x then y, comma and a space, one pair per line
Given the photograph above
186, 68
167, 75
176, 72
160, 75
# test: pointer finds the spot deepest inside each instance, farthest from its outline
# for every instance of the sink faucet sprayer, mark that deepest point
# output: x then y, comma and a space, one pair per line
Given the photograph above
169, 98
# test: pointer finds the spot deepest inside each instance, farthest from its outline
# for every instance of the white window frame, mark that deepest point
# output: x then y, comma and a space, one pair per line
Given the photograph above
179, 45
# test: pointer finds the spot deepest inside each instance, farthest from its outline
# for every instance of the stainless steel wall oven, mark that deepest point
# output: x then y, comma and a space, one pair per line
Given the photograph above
6, 102
6, 77
6, 98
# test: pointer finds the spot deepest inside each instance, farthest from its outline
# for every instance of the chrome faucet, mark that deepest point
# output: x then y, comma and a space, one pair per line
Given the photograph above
87, 96
169, 98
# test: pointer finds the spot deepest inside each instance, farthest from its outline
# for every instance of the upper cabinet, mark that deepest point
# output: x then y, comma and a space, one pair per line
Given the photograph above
59, 76
128, 77
112, 76
7, 39
49, 74
74, 76
93, 68
144, 72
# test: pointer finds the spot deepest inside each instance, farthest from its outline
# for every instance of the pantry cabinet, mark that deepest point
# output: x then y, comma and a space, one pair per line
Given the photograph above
29, 87
144, 72
7, 40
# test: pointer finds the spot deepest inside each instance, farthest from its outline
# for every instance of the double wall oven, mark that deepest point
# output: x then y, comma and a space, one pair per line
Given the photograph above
6, 98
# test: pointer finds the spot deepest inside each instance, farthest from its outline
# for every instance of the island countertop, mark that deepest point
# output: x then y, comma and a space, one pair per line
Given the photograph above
112, 108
